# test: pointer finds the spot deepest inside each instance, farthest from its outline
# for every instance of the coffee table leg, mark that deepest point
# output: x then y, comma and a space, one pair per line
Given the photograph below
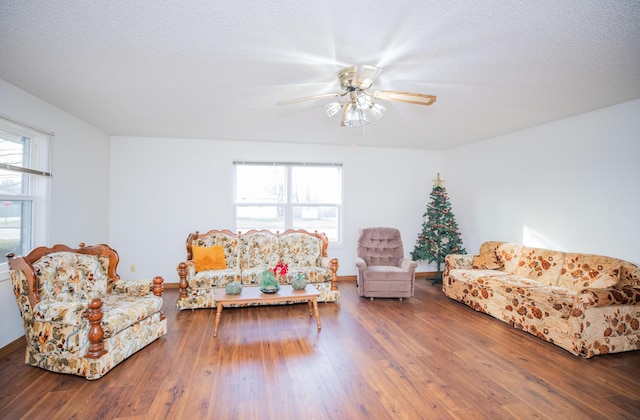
218, 316
317, 313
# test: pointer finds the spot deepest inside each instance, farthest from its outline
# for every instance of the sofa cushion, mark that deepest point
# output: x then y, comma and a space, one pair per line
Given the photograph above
485, 262
487, 259
507, 283
543, 265
213, 278
209, 258
555, 301
580, 271
509, 256
474, 276
301, 250
629, 275
259, 250
530, 296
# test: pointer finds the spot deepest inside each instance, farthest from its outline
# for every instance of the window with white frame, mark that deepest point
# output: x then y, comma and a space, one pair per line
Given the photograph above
24, 188
286, 195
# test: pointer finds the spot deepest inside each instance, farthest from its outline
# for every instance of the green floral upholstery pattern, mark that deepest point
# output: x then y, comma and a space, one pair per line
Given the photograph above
252, 253
586, 304
57, 328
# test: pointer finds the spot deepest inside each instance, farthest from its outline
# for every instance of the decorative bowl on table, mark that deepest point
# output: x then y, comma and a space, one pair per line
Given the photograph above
269, 289
233, 288
299, 283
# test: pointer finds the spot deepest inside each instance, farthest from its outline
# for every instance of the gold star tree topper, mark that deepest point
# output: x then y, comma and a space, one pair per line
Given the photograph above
438, 182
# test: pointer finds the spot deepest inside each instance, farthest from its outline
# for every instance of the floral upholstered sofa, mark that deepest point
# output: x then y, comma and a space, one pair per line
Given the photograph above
219, 257
79, 316
586, 304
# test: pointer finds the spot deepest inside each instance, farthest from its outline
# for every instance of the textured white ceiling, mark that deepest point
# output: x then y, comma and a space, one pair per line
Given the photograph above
215, 69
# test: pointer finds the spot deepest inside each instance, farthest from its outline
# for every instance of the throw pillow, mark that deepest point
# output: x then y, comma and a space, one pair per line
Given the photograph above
209, 258
487, 261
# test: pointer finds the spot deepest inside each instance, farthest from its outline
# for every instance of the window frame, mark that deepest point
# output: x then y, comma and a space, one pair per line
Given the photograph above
288, 205
36, 175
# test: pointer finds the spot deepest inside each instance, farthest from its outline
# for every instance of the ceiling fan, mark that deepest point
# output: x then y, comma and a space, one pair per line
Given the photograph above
355, 81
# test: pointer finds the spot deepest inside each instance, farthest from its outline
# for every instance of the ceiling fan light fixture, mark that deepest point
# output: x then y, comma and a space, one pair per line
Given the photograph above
355, 118
333, 108
354, 81
363, 101
377, 111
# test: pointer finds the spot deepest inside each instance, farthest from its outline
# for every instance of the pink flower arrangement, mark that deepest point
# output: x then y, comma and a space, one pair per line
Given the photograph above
280, 270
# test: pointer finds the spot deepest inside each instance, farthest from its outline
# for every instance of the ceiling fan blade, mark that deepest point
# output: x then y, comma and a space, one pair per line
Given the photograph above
408, 97
347, 107
309, 98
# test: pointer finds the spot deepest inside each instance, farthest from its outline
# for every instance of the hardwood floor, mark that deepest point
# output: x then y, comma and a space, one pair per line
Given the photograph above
424, 357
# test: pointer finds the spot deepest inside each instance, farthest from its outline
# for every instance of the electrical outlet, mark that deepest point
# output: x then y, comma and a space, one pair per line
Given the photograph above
132, 268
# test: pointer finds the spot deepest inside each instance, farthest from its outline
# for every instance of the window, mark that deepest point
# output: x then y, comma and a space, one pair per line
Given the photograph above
280, 196
24, 188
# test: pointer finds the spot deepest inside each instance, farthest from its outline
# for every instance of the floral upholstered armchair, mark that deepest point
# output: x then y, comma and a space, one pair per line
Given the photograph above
79, 316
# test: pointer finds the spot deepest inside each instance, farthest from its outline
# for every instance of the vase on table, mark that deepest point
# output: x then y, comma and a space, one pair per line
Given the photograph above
299, 282
268, 282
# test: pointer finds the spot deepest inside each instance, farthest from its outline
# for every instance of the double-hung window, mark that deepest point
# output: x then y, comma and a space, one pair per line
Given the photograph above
24, 188
287, 195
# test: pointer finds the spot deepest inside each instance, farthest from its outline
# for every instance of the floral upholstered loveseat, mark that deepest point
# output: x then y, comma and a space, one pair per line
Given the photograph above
79, 316
219, 257
586, 304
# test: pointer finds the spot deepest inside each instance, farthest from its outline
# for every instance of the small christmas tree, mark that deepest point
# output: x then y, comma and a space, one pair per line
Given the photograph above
440, 236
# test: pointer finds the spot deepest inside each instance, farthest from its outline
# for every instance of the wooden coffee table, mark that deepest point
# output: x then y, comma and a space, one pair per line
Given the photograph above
253, 295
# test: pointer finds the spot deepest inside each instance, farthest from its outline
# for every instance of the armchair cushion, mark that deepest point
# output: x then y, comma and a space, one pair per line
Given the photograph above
385, 273
380, 246
121, 312
67, 276
61, 312
132, 287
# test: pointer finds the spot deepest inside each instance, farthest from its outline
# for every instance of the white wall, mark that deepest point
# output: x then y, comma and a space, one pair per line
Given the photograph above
79, 196
571, 185
162, 189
